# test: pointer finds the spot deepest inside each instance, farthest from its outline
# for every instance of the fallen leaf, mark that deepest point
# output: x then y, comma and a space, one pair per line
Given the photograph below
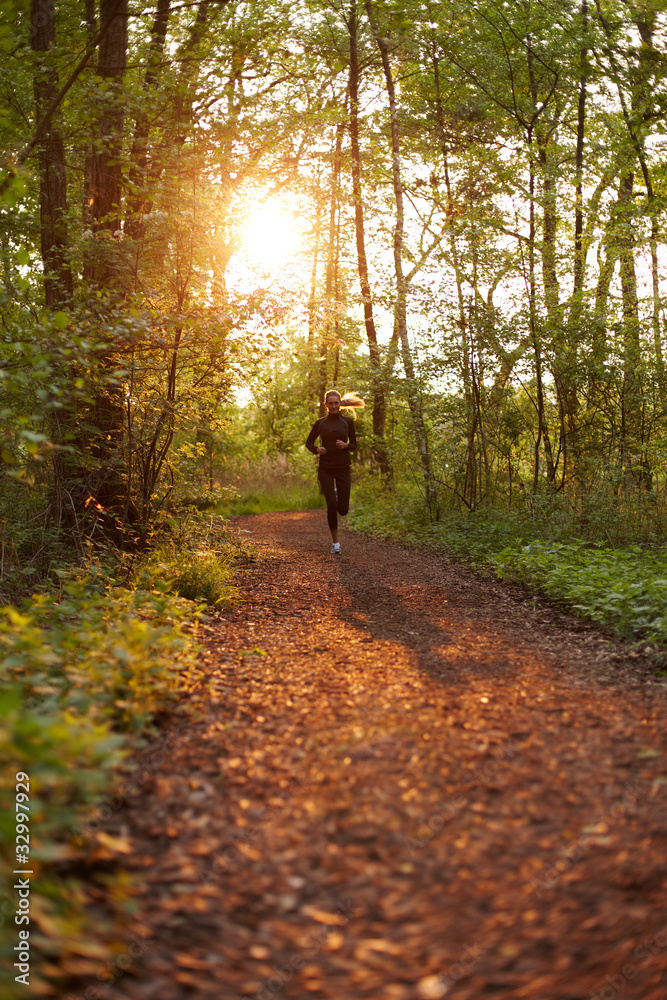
323, 917
119, 845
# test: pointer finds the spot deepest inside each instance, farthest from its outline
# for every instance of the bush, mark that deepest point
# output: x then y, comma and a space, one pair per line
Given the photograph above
87, 668
194, 561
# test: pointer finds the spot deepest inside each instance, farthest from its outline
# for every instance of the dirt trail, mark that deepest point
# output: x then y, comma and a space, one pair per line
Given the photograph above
412, 783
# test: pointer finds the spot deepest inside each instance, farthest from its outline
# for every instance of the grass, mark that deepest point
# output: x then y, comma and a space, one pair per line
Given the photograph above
623, 589
257, 502
269, 483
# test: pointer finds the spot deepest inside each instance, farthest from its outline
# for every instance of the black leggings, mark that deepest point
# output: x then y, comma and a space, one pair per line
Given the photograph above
330, 480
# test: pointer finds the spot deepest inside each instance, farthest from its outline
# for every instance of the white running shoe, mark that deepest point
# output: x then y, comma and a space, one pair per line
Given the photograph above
335, 549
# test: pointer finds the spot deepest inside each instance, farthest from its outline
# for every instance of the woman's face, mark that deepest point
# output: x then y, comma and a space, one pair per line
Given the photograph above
332, 404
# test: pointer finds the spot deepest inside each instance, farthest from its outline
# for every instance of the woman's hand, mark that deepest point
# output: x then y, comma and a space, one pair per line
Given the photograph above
321, 450
341, 444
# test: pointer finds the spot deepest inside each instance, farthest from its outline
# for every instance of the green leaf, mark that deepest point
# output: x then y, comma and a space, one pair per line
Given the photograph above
60, 319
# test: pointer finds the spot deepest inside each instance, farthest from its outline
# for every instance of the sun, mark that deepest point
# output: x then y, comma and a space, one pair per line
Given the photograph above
271, 239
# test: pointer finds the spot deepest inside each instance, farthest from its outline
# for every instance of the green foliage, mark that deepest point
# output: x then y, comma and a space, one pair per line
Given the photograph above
109, 655
201, 577
196, 575
625, 590
87, 669
194, 560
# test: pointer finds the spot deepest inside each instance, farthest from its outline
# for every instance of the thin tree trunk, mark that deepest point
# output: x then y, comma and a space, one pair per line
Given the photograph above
54, 238
379, 448
542, 433
414, 401
331, 275
642, 79
182, 106
458, 275
579, 254
313, 320
606, 267
655, 316
336, 299
189, 73
549, 274
312, 298
565, 348
632, 361
90, 8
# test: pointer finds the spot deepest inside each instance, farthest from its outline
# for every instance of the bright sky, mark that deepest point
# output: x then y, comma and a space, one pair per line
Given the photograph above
272, 250
273, 255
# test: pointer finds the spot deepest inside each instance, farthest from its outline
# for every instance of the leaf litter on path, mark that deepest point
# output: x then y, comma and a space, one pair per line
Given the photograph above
410, 782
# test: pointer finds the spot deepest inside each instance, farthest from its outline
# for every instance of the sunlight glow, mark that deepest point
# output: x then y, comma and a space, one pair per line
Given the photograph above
271, 238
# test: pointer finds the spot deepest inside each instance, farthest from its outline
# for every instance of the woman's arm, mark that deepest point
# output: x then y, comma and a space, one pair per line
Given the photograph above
314, 434
351, 435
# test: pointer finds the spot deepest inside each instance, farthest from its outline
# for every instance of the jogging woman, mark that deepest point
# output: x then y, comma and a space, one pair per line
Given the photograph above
337, 439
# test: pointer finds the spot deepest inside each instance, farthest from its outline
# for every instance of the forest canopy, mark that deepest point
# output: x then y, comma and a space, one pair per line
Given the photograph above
456, 208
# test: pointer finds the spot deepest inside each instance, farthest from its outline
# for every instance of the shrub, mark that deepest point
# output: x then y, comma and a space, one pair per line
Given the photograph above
87, 669
194, 561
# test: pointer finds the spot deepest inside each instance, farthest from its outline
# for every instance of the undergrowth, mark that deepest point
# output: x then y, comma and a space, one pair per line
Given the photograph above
90, 663
623, 589
303, 498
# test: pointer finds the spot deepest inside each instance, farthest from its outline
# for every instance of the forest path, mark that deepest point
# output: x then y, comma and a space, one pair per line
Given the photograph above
413, 783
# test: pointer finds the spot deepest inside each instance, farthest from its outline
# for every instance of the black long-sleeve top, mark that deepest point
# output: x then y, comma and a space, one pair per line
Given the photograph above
330, 429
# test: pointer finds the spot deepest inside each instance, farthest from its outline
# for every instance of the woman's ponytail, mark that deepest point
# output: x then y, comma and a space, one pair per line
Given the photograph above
352, 399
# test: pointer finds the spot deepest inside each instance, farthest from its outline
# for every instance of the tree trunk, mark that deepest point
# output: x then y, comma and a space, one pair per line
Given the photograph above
642, 77
108, 415
90, 9
468, 394
414, 401
331, 277
106, 172
379, 449
137, 198
542, 431
91, 30
189, 73
579, 254
316, 374
601, 308
181, 117
632, 403
52, 169
642, 80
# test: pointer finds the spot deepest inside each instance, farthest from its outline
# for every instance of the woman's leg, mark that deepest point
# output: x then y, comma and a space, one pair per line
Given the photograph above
344, 484
329, 489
